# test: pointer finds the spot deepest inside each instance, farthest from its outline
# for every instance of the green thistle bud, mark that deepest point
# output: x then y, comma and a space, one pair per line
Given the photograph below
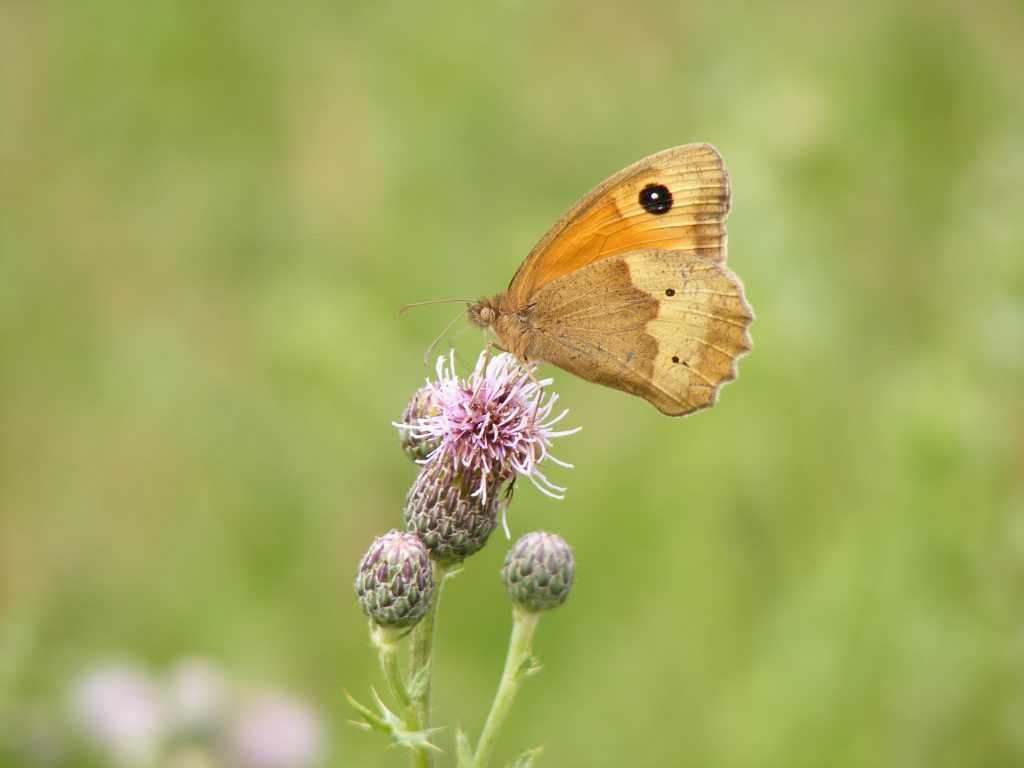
394, 582
538, 571
449, 519
423, 405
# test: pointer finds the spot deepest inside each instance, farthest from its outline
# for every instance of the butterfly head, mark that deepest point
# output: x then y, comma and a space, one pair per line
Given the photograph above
484, 313
508, 326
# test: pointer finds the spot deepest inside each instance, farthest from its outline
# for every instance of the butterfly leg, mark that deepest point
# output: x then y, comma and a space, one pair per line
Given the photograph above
531, 370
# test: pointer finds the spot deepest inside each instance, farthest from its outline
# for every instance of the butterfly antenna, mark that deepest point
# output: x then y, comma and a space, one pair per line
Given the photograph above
435, 342
425, 303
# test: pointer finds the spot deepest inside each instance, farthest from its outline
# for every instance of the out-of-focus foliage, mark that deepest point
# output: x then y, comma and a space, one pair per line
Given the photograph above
210, 211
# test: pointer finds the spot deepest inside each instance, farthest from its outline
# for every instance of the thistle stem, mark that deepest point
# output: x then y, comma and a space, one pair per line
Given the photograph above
387, 651
517, 664
423, 652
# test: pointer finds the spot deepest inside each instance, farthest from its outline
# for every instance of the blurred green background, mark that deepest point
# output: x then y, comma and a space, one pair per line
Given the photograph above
209, 213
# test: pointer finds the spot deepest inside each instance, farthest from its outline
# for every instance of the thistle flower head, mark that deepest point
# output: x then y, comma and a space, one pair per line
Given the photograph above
538, 571
275, 730
121, 711
395, 582
496, 422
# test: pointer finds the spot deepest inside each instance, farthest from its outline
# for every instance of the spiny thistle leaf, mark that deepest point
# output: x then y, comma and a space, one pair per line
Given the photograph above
369, 716
390, 724
526, 663
400, 735
525, 760
463, 751
452, 572
534, 668
418, 686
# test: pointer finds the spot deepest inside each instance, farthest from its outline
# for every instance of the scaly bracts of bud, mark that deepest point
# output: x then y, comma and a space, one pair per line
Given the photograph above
452, 521
538, 571
394, 582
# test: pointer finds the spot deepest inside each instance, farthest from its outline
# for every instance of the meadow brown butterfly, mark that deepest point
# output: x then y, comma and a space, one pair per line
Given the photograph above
630, 289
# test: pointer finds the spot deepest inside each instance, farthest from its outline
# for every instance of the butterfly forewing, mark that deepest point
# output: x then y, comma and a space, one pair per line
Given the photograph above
676, 200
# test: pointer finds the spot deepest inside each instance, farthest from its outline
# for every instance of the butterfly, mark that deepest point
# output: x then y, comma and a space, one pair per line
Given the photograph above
630, 289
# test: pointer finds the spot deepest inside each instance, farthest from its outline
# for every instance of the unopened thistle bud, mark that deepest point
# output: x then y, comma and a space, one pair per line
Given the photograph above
450, 516
394, 582
538, 571
423, 405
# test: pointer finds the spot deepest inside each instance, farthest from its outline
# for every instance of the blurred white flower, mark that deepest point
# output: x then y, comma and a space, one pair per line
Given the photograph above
197, 696
275, 731
120, 710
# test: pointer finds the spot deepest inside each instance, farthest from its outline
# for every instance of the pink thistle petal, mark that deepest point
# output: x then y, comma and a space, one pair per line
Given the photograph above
495, 422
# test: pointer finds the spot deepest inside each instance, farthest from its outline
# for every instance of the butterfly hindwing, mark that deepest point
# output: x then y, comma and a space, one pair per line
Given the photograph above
664, 325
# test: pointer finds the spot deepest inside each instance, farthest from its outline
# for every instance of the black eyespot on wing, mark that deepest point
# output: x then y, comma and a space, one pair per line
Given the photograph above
675, 358
670, 291
656, 199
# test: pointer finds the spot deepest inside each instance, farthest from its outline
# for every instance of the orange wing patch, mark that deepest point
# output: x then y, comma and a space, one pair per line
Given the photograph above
676, 200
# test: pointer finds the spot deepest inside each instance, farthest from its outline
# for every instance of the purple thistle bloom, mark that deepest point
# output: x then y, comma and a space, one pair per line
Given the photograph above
121, 710
274, 730
491, 424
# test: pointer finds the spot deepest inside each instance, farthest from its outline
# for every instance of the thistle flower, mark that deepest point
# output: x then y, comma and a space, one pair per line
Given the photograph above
394, 582
488, 426
450, 520
274, 730
538, 571
120, 710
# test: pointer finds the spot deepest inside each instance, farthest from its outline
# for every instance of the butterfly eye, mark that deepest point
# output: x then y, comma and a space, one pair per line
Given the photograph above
656, 199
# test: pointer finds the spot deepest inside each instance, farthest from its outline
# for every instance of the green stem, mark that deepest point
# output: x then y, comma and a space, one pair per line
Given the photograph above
517, 664
389, 663
423, 651
387, 649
